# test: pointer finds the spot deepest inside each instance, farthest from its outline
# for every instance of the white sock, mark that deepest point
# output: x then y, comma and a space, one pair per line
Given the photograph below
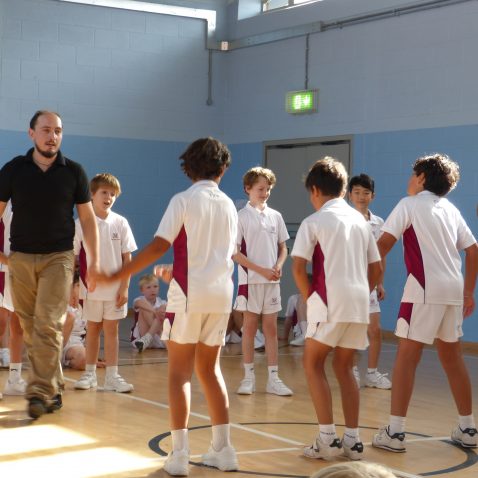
273, 371
15, 372
371, 370
397, 425
220, 436
351, 436
327, 433
249, 370
466, 421
111, 371
90, 367
180, 439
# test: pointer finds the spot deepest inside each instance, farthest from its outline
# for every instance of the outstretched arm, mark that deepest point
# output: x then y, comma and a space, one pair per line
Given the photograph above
471, 271
151, 253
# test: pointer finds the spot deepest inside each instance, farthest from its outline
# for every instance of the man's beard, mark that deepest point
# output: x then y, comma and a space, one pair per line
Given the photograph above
46, 154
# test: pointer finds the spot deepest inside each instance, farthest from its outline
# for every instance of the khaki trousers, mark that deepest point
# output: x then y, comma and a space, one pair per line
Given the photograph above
41, 285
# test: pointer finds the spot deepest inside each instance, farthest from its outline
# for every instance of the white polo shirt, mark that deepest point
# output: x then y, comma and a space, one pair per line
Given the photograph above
201, 224
115, 239
433, 234
340, 244
258, 235
157, 303
376, 223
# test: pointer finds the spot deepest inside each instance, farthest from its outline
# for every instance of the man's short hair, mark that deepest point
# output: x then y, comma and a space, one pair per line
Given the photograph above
363, 180
252, 176
39, 113
105, 179
441, 173
147, 279
329, 175
205, 158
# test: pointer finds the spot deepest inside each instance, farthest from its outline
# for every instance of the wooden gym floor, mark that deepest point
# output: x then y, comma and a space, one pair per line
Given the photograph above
106, 434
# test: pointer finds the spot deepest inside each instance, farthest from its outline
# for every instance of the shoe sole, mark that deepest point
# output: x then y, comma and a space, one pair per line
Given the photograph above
36, 411
463, 444
280, 394
82, 387
388, 448
112, 389
176, 472
245, 393
229, 467
377, 387
139, 346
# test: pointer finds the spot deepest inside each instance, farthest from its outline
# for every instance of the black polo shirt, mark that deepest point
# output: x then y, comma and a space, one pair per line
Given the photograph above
43, 202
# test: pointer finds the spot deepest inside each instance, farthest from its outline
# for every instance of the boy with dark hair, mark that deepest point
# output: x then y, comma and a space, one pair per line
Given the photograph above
361, 193
201, 225
436, 298
345, 263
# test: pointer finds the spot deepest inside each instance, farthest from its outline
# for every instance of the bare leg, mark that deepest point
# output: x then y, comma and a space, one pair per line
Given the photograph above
343, 363
375, 338
408, 356
209, 373
269, 328
180, 369
93, 330
249, 330
315, 354
110, 331
451, 358
16, 339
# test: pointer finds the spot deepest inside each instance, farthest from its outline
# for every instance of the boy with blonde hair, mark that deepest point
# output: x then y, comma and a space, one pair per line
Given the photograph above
149, 310
261, 253
107, 304
435, 298
345, 264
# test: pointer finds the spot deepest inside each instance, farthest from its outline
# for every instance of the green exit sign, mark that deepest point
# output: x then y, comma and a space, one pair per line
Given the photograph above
300, 102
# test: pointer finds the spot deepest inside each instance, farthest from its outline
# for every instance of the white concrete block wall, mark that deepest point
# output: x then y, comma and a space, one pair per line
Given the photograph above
109, 72
413, 71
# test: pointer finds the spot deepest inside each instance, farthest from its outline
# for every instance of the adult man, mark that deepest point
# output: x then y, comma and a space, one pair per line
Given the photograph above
44, 187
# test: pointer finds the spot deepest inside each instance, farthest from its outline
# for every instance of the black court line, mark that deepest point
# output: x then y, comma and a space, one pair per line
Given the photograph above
471, 456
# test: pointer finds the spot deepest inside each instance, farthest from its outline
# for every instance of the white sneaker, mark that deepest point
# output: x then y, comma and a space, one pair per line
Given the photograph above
378, 380
356, 373
395, 443
4, 358
467, 438
143, 342
278, 387
247, 386
117, 384
354, 452
298, 341
86, 381
319, 449
177, 463
17, 387
259, 340
224, 460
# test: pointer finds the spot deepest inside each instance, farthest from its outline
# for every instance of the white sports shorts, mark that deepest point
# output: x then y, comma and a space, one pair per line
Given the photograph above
191, 328
374, 306
260, 299
99, 310
339, 334
427, 322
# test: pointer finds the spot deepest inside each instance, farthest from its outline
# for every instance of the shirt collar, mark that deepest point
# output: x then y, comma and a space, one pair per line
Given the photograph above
257, 211
60, 159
